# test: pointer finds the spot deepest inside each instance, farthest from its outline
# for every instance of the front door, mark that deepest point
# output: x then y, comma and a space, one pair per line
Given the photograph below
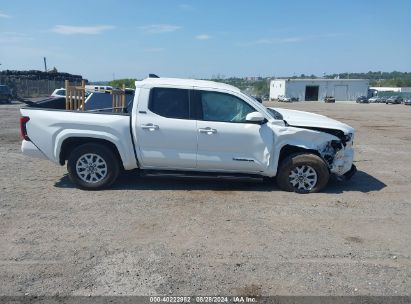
226, 142
167, 137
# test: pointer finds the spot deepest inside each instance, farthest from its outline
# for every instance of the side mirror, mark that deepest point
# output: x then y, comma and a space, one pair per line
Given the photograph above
255, 117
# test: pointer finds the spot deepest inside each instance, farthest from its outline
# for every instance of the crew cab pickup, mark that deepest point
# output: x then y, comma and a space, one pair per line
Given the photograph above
194, 128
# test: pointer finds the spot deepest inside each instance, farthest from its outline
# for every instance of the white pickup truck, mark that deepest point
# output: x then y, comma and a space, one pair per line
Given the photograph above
193, 128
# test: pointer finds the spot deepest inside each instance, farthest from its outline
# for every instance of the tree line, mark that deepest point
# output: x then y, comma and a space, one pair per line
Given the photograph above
379, 79
262, 86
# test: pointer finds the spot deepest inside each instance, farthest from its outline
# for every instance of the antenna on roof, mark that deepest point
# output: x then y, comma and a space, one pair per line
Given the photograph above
153, 76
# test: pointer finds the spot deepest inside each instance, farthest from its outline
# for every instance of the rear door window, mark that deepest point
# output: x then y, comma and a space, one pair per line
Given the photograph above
170, 103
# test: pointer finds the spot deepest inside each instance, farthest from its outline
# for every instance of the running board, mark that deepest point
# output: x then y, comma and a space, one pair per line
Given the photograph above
202, 175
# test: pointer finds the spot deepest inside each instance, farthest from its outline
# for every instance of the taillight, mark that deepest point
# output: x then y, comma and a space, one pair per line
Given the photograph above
23, 129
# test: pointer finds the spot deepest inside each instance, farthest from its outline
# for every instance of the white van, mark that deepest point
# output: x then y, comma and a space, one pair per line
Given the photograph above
98, 88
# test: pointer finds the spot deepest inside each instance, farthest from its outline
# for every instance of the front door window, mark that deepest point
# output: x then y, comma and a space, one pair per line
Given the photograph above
224, 107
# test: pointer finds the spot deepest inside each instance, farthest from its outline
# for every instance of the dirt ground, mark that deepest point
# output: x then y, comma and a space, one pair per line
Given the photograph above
153, 236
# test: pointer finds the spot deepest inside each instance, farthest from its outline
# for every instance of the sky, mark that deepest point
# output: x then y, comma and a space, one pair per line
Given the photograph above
102, 40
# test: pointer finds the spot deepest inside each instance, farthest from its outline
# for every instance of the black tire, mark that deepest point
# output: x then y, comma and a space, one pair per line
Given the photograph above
301, 159
111, 164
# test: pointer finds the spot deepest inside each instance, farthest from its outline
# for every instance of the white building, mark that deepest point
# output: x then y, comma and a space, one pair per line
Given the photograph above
317, 89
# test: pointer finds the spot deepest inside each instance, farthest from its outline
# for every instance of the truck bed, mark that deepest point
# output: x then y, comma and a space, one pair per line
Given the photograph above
96, 102
48, 127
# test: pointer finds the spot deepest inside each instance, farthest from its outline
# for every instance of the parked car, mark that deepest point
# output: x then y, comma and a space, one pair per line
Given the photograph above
383, 99
362, 99
394, 100
283, 98
129, 91
103, 102
374, 99
62, 93
193, 128
58, 92
329, 99
266, 97
258, 98
99, 88
294, 99
407, 102
5, 94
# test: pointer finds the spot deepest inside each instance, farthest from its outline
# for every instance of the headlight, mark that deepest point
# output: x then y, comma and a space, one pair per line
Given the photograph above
339, 154
348, 137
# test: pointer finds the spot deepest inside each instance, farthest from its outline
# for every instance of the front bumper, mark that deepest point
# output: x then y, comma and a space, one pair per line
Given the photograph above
29, 149
343, 160
350, 173
347, 175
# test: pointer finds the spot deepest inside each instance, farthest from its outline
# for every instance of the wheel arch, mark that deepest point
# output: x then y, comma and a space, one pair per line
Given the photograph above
288, 150
70, 143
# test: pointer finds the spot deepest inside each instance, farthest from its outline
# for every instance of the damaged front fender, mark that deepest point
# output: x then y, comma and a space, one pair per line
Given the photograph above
337, 153
334, 147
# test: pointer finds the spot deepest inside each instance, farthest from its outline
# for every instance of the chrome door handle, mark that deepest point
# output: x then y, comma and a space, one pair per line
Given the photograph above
207, 130
150, 127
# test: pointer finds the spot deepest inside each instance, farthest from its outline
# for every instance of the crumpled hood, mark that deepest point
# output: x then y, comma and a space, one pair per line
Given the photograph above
307, 119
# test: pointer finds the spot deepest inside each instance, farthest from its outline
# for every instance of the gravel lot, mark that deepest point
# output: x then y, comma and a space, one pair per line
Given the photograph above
156, 236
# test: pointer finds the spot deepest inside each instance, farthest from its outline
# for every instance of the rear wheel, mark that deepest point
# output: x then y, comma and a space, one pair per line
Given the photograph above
303, 173
93, 166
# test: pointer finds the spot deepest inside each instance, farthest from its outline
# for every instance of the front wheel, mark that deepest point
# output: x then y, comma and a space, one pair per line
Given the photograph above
93, 166
303, 173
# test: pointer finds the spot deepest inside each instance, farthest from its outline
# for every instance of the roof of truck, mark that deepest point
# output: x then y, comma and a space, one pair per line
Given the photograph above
206, 84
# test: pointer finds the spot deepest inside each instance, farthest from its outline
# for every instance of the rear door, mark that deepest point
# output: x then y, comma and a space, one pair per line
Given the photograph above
226, 142
167, 136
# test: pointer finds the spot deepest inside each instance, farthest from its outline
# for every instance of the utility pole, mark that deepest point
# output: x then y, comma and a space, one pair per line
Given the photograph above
45, 64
